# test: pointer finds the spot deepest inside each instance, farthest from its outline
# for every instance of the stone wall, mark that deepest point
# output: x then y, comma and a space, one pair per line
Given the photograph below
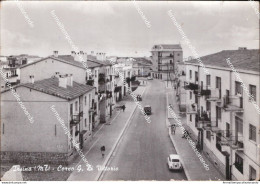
214, 160
34, 158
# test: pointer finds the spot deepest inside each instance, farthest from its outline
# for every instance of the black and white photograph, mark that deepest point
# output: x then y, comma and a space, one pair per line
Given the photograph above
129, 91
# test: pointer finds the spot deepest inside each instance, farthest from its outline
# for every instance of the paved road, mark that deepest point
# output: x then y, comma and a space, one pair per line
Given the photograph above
143, 150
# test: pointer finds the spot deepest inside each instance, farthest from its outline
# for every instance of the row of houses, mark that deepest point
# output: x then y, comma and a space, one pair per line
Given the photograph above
82, 100
219, 113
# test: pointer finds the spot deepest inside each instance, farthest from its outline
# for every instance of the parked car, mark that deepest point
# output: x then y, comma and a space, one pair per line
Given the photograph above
174, 162
148, 109
149, 78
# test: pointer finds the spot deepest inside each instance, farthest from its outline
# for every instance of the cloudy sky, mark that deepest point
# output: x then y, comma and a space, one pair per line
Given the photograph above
118, 28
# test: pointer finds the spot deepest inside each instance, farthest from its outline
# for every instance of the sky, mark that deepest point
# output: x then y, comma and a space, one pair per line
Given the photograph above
119, 28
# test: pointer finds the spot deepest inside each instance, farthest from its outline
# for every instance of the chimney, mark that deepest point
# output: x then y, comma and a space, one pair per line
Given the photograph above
69, 80
81, 57
63, 81
101, 56
242, 48
92, 53
32, 79
73, 54
55, 53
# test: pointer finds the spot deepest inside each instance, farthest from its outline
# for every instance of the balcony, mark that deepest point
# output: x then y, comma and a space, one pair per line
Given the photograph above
191, 86
75, 119
90, 82
231, 141
233, 103
214, 95
93, 109
191, 108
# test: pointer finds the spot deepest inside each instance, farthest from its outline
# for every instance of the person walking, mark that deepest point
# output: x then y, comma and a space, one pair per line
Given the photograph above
103, 149
123, 107
173, 128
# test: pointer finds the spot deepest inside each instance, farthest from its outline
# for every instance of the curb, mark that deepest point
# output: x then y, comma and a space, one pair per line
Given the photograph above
100, 174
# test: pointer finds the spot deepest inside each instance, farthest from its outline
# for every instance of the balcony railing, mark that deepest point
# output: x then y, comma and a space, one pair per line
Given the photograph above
229, 139
214, 95
233, 103
75, 119
90, 82
191, 86
191, 108
93, 109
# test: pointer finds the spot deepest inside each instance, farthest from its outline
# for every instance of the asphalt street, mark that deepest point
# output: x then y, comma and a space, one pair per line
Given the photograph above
143, 150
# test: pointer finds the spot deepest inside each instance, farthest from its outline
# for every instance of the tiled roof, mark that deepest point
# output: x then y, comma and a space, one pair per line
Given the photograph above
171, 46
70, 59
67, 59
142, 61
240, 59
94, 59
51, 86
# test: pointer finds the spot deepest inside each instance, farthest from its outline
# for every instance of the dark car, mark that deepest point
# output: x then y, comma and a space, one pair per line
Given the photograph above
148, 109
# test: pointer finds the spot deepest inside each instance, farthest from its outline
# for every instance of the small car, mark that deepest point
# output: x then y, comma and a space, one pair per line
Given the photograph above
174, 162
148, 109
149, 78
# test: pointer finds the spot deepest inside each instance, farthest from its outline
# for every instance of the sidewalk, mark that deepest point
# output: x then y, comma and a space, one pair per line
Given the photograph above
108, 136
193, 167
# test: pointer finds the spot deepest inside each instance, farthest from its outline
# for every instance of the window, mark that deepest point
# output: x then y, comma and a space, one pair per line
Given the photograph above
227, 130
239, 163
178, 54
208, 80
3, 128
218, 82
252, 132
208, 105
238, 88
95, 73
55, 130
170, 61
190, 118
239, 125
90, 100
252, 91
190, 95
252, 173
71, 109
218, 112
196, 76
208, 135
76, 106
86, 100
190, 74
85, 122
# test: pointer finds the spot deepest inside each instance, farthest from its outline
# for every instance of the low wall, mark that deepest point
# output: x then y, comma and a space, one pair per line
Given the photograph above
33, 158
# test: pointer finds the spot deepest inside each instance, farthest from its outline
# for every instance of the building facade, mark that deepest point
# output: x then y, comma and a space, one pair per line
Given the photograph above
164, 59
220, 113
44, 140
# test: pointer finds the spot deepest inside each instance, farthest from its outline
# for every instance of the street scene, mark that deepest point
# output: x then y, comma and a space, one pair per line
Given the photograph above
130, 91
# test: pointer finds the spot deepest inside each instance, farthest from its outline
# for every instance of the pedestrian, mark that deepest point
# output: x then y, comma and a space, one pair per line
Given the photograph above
123, 107
173, 128
103, 149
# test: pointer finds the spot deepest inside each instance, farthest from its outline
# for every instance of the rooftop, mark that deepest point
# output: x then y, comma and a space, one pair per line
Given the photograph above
240, 59
167, 47
67, 59
51, 86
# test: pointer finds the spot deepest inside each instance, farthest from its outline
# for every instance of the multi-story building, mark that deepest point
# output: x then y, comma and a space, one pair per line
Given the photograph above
164, 59
142, 67
220, 113
44, 140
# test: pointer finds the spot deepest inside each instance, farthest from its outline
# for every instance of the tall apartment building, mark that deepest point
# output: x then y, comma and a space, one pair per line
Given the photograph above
220, 113
164, 59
